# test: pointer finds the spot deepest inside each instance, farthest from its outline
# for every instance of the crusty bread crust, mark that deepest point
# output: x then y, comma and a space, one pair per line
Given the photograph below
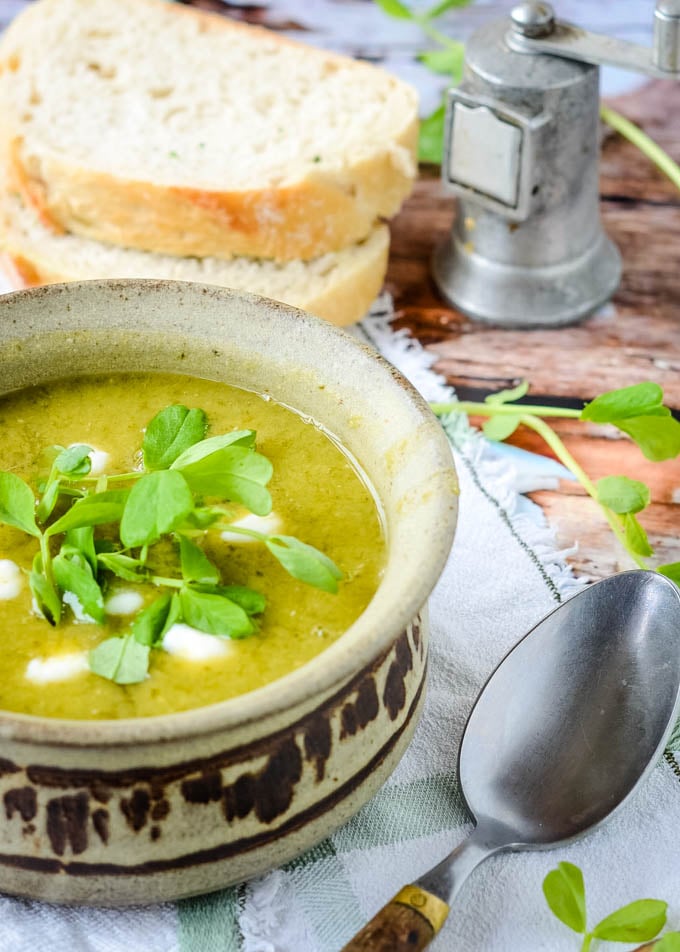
341, 290
325, 207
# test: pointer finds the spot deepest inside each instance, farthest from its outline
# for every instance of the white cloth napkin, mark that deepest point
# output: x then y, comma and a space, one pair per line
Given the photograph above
503, 575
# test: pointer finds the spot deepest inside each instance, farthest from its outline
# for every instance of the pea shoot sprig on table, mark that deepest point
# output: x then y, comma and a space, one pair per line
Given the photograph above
637, 411
638, 921
167, 506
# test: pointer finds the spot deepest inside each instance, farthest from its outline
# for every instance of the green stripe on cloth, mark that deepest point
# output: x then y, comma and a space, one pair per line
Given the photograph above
210, 922
405, 811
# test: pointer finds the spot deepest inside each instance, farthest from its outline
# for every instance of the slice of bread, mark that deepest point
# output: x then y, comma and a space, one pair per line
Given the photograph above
150, 125
339, 286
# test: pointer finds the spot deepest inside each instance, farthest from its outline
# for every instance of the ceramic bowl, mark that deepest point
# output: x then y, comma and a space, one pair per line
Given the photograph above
130, 811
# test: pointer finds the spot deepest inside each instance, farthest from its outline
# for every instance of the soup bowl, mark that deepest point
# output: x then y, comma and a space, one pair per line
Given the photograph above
140, 810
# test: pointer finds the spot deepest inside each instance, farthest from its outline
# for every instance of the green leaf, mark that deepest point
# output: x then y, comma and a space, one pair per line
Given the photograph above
48, 500
46, 596
214, 614
73, 574
304, 562
668, 943
17, 504
448, 62
158, 503
236, 473
196, 566
123, 660
636, 537
83, 540
396, 9
621, 494
172, 431
671, 571
148, 626
431, 137
252, 602
509, 396
214, 443
657, 436
124, 566
95, 510
74, 461
634, 401
443, 6
565, 894
499, 427
637, 922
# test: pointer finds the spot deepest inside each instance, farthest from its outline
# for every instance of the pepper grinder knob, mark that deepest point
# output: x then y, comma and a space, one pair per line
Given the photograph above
534, 19
666, 48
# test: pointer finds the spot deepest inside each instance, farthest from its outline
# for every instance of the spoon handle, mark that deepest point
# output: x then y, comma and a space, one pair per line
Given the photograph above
408, 923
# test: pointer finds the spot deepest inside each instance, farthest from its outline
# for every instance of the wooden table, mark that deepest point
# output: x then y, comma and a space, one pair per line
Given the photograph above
638, 340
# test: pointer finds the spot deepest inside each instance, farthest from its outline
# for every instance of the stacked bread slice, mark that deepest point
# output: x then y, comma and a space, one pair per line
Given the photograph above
139, 138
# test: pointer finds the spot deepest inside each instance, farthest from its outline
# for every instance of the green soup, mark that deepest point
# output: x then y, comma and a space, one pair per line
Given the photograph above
317, 494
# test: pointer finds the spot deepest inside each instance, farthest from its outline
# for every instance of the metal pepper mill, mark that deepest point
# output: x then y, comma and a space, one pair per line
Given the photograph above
521, 153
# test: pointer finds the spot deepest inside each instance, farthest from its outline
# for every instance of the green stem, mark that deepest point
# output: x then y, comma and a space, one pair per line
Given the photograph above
434, 34
227, 527
647, 146
565, 457
587, 939
507, 409
162, 580
46, 557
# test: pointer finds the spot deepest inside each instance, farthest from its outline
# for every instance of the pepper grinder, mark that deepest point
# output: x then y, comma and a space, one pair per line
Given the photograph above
527, 248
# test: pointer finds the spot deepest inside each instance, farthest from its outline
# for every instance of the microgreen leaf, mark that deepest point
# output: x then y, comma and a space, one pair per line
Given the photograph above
636, 537
172, 431
637, 922
565, 893
17, 504
73, 575
207, 447
74, 461
123, 660
158, 503
671, 571
304, 562
196, 566
252, 602
214, 614
396, 9
443, 6
621, 494
640, 399
124, 566
48, 500
83, 540
657, 436
46, 596
149, 625
95, 510
431, 137
447, 62
499, 428
668, 943
234, 472
510, 395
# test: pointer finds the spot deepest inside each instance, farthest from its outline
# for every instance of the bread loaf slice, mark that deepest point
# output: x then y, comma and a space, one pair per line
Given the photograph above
338, 286
150, 125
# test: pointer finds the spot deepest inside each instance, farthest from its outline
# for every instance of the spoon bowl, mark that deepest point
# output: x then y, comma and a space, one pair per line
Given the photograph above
565, 729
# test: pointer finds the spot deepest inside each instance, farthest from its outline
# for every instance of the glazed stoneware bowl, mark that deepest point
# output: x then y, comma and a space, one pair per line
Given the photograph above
130, 811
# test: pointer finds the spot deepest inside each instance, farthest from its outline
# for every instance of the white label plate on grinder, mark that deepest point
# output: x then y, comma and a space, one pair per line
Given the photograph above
485, 153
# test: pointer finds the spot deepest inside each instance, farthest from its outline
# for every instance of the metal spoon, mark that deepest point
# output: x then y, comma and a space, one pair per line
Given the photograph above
567, 726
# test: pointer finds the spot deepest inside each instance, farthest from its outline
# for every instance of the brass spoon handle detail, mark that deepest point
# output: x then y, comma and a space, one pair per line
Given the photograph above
408, 923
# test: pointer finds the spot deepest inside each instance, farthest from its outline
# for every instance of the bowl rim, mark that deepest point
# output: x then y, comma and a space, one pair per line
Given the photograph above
337, 663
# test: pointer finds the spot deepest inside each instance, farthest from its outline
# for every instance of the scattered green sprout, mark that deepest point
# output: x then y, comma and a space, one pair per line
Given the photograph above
638, 921
637, 411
